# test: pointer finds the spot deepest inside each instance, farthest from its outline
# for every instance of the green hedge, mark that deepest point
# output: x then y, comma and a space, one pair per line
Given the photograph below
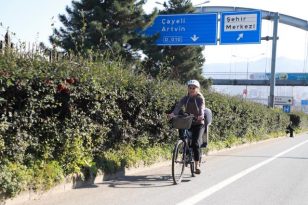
59, 119
240, 118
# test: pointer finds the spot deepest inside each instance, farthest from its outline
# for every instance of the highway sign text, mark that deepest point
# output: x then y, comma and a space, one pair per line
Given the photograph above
242, 22
283, 100
240, 27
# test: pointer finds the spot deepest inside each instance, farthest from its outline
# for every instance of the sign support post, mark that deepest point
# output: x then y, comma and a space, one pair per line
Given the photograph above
273, 62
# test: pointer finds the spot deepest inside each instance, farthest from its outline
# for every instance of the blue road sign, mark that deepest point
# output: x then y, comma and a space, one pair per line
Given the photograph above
287, 76
185, 29
240, 27
291, 76
286, 108
304, 102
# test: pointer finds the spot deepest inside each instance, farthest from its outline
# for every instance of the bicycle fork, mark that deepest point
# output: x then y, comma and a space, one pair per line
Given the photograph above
188, 154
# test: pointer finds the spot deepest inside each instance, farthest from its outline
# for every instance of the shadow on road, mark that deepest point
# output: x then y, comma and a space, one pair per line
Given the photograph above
142, 181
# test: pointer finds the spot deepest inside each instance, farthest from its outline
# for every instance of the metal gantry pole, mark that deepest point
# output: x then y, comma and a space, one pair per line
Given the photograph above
273, 61
247, 77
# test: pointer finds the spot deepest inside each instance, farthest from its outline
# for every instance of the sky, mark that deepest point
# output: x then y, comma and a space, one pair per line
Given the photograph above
292, 41
32, 20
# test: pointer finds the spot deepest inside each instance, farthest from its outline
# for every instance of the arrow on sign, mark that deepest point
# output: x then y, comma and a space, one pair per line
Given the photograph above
241, 35
194, 38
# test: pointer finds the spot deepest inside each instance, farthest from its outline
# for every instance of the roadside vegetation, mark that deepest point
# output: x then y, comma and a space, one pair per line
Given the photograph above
101, 108
76, 118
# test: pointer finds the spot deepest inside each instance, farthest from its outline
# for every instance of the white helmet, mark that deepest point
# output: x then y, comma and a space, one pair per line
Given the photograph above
193, 82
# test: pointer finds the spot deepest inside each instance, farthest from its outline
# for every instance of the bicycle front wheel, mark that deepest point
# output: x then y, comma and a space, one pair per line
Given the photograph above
178, 162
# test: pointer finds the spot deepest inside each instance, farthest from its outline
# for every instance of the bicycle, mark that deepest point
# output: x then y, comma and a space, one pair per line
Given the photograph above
182, 153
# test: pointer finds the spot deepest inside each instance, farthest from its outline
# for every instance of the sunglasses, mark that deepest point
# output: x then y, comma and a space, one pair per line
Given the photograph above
192, 87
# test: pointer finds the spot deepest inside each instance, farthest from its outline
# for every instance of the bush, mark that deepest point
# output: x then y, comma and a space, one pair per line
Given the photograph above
127, 156
45, 175
14, 178
64, 118
236, 117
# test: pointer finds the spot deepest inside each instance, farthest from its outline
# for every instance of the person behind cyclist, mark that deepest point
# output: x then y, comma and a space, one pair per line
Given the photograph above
193, 103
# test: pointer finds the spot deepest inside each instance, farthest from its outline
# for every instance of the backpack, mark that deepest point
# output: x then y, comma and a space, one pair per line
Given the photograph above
207, 121
207, 116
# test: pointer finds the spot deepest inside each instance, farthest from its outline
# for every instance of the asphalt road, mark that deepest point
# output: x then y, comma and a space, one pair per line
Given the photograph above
268, 173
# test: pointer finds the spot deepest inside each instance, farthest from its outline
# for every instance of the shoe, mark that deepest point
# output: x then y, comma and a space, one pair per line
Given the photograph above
198, 171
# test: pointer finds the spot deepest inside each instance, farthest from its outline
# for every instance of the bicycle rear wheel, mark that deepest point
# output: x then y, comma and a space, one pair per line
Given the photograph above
178, 162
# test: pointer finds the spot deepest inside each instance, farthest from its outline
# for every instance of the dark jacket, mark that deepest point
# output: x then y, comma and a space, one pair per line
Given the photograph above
193, 105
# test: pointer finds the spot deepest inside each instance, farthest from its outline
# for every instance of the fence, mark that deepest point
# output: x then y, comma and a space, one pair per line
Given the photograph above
31, 50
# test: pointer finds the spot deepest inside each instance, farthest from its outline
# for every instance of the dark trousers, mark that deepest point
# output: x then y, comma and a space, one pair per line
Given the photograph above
197, 132
290, 130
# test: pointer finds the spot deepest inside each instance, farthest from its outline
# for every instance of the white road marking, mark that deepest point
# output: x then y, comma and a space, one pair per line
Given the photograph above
208, 192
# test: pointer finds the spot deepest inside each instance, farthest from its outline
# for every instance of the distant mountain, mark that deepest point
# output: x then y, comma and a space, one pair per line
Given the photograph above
262, 65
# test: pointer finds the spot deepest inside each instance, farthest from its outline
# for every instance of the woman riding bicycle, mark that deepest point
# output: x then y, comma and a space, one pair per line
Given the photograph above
193, 103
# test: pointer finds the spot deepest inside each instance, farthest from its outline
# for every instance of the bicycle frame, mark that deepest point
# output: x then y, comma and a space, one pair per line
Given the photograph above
182, 147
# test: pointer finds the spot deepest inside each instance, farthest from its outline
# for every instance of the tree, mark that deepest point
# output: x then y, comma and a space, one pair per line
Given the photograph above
182, 62
103, 25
